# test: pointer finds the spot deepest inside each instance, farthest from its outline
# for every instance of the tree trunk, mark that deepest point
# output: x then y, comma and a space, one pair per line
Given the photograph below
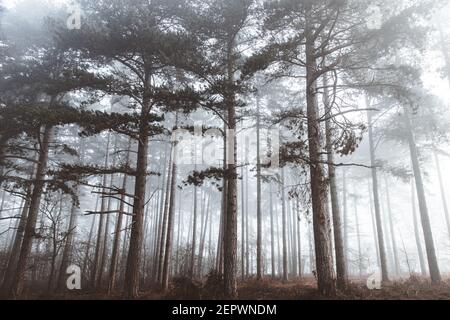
134, 252
247, 228
299, 225
116, 241
346, 219
68, 246
391, 227
242, 225
14, 255
279, 258
441, 188
294, 240
230, 234
376, 198
284, 227
358, 237
194, 236
426, 226
118, 229
259, 262
272, 228
203, 237
312, 264
321, 219
88, 244
374, 227
341, 263
179, 234
30, 228
221, 239
162, 240
171, 215
423, 268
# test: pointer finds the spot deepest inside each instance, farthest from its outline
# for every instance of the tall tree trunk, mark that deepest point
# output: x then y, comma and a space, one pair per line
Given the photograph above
68, 246
194, 236
203, 237
101, 225
391, 228
242, 225
14, 254
299, 225
134, 252
321, 220
179, 235
162, 240
279, 249
374, 226
426, 226
171, 215
221, 233
112, 279
358, 237
159, 218
312, 264
294, 240
247, 228
289, 238
272, 228
230, 234
259, 262
341, 266
441, 188
376, 198
423, 268
106, 233
284, 227
89, 241
30, 228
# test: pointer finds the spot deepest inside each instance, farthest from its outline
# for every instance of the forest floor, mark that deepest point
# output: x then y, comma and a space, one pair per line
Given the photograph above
414, 288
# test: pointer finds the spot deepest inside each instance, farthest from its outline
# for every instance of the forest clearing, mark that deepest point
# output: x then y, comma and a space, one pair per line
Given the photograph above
224, 149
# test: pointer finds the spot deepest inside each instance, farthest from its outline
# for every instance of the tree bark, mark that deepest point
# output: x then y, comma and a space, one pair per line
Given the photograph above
426, 226
101, 225
162, 240
423, 268
441, 188
68, 246
374, 227
376, 198
170, 220
321, 220
391, 227
118, 229
131, 288
230, 234
14, 255
194, 236
203, 237
259, 262
30, 228
358, 237
242, 225
341, 265
284, 228
299, 225
272, 228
